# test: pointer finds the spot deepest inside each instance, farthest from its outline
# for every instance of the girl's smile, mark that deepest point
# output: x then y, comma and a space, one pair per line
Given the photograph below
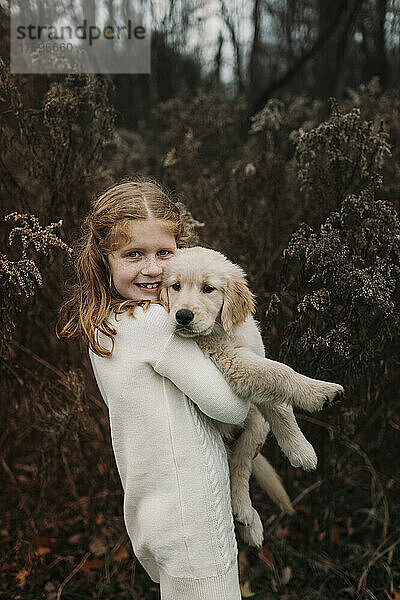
137, 267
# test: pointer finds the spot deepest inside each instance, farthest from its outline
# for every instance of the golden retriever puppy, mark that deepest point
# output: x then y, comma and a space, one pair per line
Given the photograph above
208, 299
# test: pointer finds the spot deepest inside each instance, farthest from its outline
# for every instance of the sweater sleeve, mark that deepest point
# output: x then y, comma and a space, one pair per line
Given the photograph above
183, 363
96, 376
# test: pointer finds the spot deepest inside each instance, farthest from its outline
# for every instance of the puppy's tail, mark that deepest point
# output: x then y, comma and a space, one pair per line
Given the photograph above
270, 482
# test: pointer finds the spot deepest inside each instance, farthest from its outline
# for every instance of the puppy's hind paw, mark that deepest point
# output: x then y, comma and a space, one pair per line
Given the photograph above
244, 514
253, 534
306, 460
299, 452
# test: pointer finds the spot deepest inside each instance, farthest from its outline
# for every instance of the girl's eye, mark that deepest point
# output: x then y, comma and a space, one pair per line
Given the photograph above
136, 253
208, 288
176, 286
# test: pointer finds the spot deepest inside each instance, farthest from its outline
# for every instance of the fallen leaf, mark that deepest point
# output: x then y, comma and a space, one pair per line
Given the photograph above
246, 589
349, 481
106, 532
271, 518
266, 556
7, 566
286, 575
49, 586
42, 550
84, 502
22, 478
29, 468
334, 534
51, 591
21, 577
349, 528
73, 520
304, 508
288, 531
46, 541
98, 546
75, 539
91, 565
281, 532
121, 553
49, 524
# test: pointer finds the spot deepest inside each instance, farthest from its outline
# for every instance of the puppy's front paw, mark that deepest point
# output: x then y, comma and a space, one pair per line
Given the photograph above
334, 395
314, 394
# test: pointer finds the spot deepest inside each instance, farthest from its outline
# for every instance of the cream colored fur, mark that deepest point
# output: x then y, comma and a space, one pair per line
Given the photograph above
213, 292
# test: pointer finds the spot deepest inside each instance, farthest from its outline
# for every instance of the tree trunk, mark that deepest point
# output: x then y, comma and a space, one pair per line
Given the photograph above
89, 11
254, 83
218, 60
380, 42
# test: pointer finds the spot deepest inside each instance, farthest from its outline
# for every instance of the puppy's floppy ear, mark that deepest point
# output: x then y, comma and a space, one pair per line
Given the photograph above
238, 304
164, 298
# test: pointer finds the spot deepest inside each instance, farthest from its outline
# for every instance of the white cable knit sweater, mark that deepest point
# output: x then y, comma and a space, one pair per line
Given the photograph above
170, 457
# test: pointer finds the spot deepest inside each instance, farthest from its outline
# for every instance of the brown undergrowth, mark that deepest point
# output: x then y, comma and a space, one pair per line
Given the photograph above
304, 197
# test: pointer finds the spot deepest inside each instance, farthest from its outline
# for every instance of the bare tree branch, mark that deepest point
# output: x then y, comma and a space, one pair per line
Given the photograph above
235, 44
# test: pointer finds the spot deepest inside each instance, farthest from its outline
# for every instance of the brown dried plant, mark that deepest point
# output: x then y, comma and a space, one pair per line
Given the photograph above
339, 157
22, 276
347, 288
51, 150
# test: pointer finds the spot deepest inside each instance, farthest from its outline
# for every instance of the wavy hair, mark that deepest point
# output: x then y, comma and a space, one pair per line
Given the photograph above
93, 296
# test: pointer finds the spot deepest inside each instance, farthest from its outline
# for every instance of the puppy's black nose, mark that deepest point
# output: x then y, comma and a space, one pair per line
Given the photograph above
184, 316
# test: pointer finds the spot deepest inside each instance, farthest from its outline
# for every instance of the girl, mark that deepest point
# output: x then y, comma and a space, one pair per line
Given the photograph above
170, 457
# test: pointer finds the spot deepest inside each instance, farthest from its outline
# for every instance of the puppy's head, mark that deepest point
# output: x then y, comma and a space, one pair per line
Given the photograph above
201, 287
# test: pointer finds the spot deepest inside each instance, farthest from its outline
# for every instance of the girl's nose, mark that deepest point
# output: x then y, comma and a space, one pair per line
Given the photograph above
151, 267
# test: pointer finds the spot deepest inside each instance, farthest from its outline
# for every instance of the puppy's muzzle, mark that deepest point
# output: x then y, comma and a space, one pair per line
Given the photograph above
184, 316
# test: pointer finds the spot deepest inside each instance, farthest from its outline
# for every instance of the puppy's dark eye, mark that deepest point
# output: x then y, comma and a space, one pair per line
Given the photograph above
176, 286
208, 288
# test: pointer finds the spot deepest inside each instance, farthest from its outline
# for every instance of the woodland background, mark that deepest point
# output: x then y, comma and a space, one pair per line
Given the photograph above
299, 188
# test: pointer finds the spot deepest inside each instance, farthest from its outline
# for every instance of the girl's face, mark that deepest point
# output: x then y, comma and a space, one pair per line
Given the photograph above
136, 268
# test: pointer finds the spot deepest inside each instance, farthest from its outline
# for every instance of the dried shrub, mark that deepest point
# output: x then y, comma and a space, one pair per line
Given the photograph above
22, 276
51, 151
339, 157
347, 288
